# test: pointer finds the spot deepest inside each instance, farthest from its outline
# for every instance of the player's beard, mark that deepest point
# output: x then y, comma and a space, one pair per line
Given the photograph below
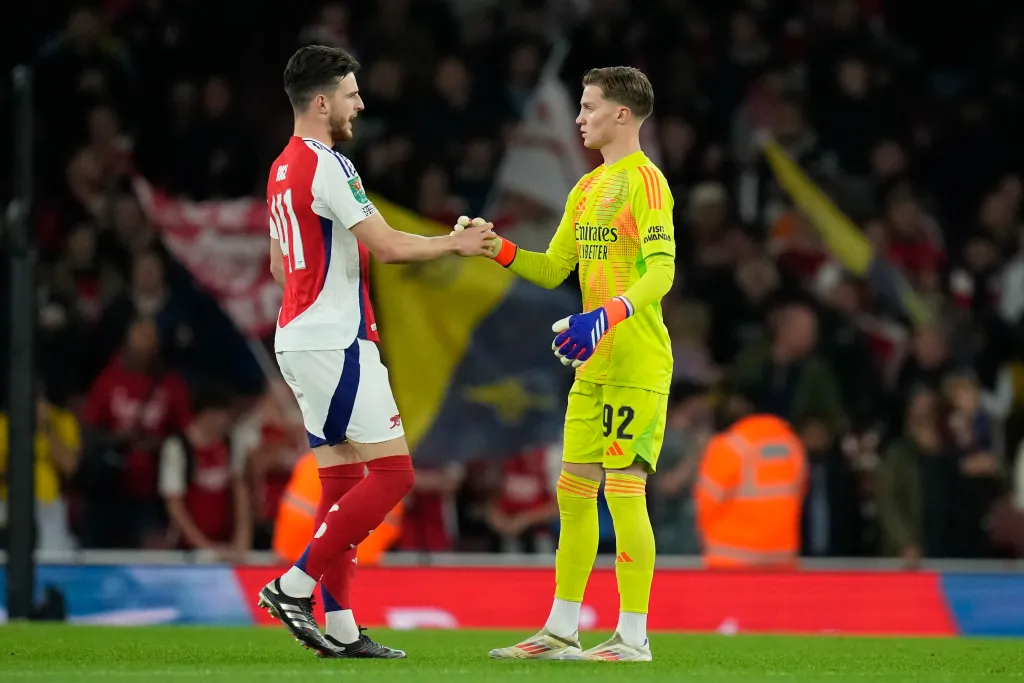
341, 129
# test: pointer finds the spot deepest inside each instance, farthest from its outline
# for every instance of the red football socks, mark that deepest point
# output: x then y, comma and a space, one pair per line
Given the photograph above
336, 584
354, 515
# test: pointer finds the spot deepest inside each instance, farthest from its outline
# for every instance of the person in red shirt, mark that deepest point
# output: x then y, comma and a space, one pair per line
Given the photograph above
134, 404
525, 506
429, 524
202, 481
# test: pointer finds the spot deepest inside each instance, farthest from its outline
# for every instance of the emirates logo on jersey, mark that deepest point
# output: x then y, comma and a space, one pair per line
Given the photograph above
396, 421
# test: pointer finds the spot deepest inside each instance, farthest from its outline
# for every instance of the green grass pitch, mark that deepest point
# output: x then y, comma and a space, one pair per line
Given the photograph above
79, 654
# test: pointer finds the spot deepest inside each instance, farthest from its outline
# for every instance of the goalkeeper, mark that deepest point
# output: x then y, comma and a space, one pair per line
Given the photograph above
617, 227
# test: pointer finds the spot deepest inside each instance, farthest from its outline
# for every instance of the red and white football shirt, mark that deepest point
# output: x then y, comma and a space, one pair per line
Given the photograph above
315, 196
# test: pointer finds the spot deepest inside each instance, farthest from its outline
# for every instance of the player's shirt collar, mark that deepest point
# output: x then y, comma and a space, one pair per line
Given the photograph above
636, 158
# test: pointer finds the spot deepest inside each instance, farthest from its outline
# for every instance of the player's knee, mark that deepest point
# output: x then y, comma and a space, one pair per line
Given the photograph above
639, 469
589, 470
398, 472
406, 482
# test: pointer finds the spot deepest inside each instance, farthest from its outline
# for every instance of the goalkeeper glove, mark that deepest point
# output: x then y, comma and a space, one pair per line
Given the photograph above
579, 335
502, 250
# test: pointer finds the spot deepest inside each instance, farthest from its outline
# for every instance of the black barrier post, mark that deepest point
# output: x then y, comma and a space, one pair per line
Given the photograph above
21, 401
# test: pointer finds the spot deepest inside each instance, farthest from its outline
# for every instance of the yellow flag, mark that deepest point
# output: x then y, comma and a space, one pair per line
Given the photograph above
427, 314
844, 240
842, 237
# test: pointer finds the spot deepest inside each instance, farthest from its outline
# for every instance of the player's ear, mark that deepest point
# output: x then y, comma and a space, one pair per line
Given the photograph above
623, 115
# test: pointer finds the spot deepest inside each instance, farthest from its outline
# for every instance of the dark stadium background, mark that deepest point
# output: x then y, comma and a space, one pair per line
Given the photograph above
908, 114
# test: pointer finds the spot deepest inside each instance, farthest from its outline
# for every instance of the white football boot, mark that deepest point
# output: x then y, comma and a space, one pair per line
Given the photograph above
615, 650
544, 645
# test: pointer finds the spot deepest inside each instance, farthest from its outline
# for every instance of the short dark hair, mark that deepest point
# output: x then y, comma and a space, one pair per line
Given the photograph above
315, 68
624, 85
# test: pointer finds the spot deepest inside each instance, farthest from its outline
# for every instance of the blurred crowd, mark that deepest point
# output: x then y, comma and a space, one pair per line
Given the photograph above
157, 427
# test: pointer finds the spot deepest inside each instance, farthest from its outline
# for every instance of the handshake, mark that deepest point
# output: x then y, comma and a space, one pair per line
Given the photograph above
578, 335
475, 238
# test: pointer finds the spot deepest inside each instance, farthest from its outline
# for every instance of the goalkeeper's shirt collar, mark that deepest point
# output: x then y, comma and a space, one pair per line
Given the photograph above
630, 159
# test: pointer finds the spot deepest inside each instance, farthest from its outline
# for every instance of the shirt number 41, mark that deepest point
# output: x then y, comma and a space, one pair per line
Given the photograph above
286, 225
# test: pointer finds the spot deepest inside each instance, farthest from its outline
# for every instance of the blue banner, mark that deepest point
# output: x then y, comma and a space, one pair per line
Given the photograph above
142, 595
986, 604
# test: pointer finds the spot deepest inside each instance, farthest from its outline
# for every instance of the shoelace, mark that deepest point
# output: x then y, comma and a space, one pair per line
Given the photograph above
307, 611
369, 642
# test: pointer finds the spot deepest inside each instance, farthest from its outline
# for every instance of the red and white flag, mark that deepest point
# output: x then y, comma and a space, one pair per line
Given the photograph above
544, 160
224, 244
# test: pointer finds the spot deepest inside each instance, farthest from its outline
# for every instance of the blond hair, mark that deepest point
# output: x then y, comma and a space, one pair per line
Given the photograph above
624, 85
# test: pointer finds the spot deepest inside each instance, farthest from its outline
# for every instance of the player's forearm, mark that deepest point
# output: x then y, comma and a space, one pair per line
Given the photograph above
183, 522
408, 248
654, 284
540, 515
243, 515
404, 247
544, 270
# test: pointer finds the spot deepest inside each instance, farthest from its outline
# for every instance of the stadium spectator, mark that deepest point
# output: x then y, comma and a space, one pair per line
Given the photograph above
149, 295
916, 482
430, 524
135, 404
831, 522
970, 430
58, 446
848, 349
203, 482
918, 144
525, 506
689, 428
785, 377
749, 494
274, 440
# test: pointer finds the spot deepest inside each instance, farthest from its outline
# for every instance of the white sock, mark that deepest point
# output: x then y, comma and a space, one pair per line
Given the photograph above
341, 626
633, 628
564, 619
297, 584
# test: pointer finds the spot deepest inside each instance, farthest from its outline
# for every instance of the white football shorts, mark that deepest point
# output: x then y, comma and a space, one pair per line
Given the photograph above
344, 394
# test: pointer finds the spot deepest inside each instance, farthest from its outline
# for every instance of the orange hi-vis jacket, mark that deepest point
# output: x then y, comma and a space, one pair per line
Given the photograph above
293, 528
749, 495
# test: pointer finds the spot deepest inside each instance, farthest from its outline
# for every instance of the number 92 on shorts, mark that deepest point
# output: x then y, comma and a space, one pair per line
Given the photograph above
614, 426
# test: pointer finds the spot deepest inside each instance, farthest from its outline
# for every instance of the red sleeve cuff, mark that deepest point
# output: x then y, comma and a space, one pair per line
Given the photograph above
506, 254
617, 310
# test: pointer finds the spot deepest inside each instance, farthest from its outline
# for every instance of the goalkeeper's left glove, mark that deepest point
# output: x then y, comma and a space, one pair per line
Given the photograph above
502, 250
579, 335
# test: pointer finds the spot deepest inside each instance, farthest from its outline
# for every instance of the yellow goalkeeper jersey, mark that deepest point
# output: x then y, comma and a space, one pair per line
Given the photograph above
615, 218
